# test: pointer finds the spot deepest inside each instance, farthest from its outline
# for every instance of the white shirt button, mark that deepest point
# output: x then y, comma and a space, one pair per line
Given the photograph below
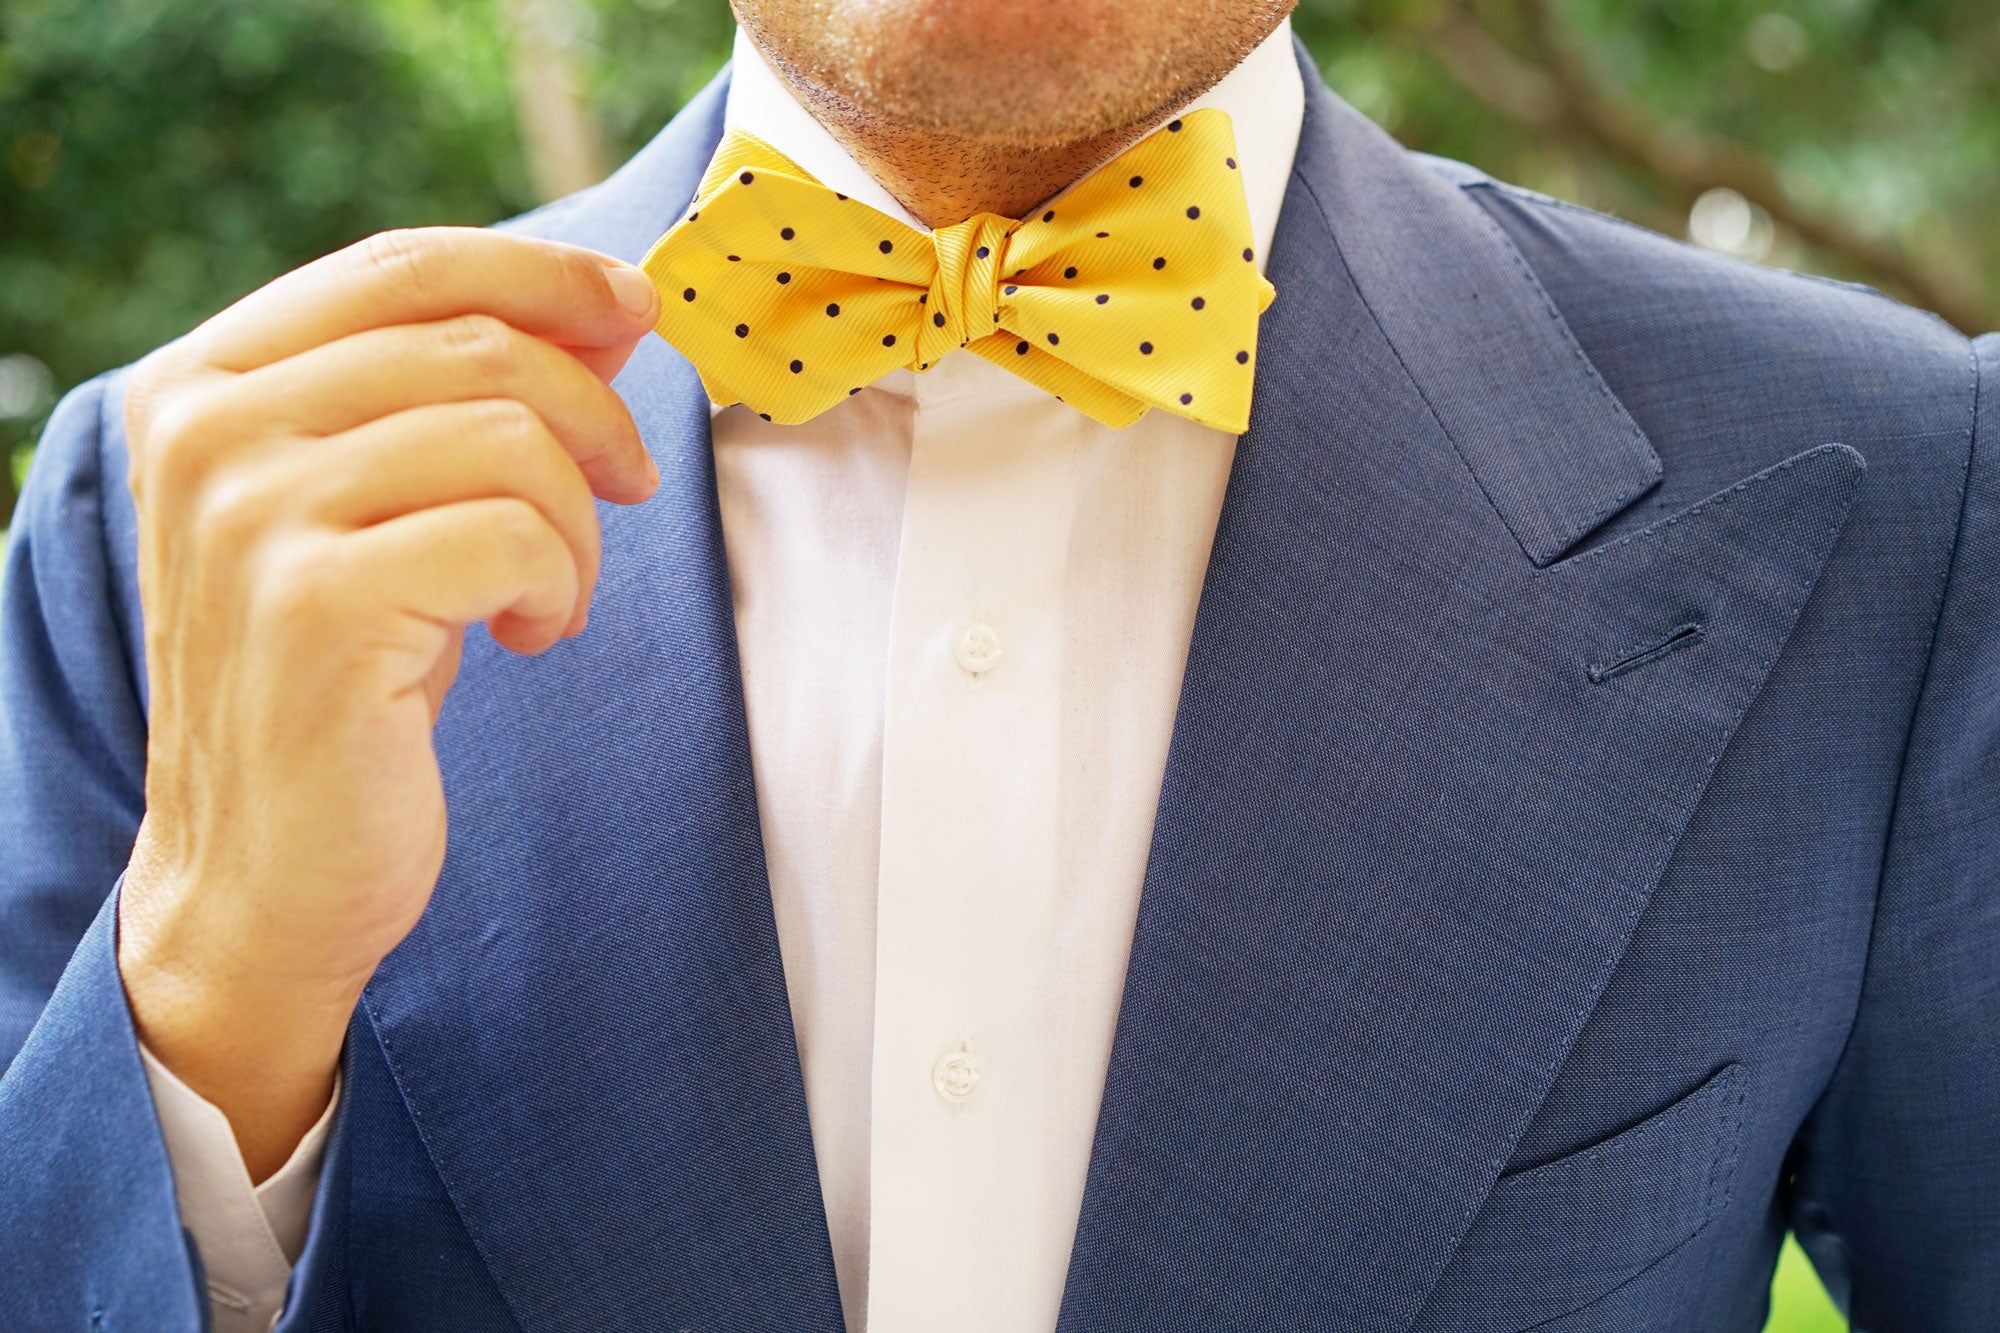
956, 1074
977, 647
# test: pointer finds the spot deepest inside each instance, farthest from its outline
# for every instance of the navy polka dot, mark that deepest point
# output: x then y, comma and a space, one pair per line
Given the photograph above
746, 178
1053, 340
1020, 349
784, 277
1145, 349
1102, 298
1173, 126
1070, 272
743, 330
787, 234
885, 247
1186, 398
1197, 303
1009, 291
797, 366
982, 252
1243, 358
838, 195
1229, 162
832, 308
1248, 254
1136, 182
1102, 234
692, 216
1049, 216
688, 295
938, 319
735, 259
765, 415
1193, 212
1160, 262
888, 340
852, 392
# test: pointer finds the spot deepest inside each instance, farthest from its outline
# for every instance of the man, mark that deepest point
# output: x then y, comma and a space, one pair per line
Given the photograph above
1490, 848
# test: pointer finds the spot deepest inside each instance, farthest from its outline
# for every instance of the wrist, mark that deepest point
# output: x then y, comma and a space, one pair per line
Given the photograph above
260, 1044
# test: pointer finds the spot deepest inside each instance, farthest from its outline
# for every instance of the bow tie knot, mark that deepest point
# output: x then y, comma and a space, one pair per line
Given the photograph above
963, 302
1136, 289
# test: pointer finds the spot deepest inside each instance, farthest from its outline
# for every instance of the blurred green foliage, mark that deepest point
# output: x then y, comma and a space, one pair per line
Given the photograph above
159, 158
1884, 111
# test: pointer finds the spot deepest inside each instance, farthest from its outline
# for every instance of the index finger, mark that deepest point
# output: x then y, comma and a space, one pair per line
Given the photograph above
569, 295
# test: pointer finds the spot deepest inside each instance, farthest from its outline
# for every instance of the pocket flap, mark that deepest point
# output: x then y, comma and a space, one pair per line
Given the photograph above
1556, 1237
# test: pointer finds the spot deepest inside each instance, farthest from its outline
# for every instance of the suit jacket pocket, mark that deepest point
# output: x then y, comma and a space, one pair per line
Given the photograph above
1554, 1238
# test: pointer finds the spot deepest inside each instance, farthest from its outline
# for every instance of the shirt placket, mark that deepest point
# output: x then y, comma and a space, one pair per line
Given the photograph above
967, 889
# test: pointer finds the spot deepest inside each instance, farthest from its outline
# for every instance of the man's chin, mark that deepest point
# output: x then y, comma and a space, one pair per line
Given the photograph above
1025, 73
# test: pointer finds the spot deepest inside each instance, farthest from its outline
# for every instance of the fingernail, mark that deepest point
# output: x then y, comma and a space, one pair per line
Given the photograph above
633, 289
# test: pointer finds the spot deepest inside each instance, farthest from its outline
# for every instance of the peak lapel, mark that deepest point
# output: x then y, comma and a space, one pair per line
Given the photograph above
589, 1025
1411, 812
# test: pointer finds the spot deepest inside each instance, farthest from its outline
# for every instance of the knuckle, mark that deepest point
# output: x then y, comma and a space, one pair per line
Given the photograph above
298, 591
178, 442
488, 344
526, 458
524, 526
143, 391
524, 532
508, 421
232, 509
404, 257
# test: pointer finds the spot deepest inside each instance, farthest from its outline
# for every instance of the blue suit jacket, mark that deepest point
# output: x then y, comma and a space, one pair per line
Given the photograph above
1579, 856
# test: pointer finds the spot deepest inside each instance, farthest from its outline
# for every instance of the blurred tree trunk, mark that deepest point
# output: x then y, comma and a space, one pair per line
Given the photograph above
564, 143
1552, 87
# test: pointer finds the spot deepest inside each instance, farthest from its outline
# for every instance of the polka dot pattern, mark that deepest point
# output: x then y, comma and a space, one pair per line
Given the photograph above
1126, 294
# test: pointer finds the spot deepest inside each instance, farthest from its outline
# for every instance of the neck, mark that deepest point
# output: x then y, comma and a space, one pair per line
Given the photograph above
940, 140
943, 180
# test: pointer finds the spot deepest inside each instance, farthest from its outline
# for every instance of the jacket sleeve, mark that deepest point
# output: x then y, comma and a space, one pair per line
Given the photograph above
72, 720
1897, 1191
89, 1219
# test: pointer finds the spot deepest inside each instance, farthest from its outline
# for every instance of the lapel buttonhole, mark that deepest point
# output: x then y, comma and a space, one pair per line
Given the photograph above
1646, 653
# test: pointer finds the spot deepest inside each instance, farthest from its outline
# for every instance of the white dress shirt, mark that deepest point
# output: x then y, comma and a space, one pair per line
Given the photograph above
963, 611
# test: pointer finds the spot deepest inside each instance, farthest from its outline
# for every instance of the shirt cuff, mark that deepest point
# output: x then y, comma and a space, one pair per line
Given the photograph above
249, 1236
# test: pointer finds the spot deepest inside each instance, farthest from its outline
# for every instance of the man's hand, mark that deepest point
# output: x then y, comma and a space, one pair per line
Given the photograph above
333, 477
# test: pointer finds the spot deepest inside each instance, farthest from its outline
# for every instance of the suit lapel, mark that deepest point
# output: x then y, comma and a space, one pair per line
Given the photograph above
590, 1026
1413, 805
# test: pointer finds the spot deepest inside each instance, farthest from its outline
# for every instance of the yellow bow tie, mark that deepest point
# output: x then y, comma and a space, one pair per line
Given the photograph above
1138, 288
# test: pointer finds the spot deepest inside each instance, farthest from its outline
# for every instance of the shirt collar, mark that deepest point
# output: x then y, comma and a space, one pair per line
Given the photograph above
1264, 97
